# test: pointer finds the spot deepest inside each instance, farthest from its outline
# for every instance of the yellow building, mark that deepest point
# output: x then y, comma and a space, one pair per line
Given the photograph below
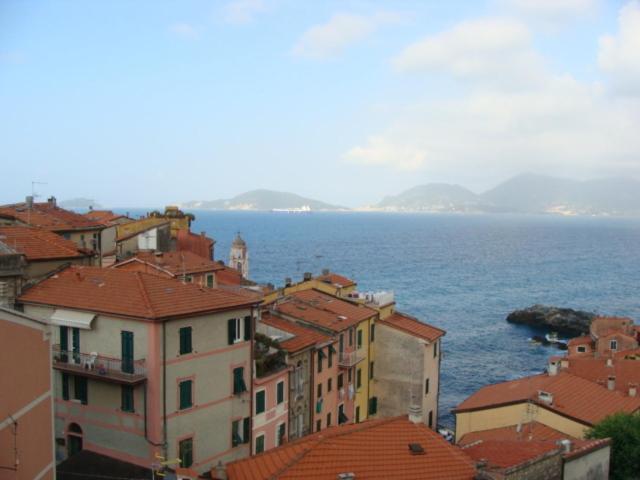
179, 220
329, 283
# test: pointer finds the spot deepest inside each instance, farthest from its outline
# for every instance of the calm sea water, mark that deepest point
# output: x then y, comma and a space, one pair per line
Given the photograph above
461, 273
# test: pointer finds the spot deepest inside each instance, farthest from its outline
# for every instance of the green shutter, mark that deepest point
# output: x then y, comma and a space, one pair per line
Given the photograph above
359, 338
75, 334
235, 433
185, 394
280, 391
359, 378
81, 390
238, 381
260, 402
127, 351
247, 328
373, 405
246, 430
231, 330
65, 386
186, 453
64, 339
127, 398
185, 340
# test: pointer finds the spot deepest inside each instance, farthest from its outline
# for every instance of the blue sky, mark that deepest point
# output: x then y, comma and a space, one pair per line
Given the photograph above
142, 103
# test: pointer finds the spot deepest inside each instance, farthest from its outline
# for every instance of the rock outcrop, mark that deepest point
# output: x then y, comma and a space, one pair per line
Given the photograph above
562, 320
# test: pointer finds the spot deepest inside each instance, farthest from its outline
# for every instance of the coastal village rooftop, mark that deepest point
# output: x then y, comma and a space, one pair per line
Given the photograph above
39, 244
49, 216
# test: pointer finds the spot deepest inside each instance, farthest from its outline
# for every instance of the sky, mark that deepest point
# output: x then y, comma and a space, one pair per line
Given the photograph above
151, 102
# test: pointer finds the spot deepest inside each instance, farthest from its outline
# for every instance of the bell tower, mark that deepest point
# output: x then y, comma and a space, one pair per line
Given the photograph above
239, 256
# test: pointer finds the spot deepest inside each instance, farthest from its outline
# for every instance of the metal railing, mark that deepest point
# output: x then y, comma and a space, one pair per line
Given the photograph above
349, 359
97, 365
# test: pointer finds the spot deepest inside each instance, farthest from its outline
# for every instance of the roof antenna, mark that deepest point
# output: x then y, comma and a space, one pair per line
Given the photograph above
34, 195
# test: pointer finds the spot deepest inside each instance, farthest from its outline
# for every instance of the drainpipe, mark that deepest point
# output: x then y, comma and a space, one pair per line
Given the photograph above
311, 389
165, 445
251, 346
439, 342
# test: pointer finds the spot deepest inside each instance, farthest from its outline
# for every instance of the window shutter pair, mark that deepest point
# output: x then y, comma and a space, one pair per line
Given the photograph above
246, 430
373, 405
247, 327
231, 330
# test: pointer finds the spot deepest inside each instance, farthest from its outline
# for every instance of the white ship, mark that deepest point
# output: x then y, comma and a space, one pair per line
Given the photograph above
302, 209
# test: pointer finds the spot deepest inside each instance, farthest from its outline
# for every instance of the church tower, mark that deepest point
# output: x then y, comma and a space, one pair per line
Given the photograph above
239, 257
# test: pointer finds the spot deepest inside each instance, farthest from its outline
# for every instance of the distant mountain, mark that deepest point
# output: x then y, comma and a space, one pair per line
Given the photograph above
525, 193
262, 200
80, 203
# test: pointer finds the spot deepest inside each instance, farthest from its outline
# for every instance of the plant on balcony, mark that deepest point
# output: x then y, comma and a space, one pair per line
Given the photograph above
269, 356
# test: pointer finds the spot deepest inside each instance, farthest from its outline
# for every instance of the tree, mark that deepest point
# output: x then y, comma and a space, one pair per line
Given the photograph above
624, 431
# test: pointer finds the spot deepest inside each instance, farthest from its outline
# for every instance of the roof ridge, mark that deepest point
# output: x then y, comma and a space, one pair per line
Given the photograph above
143, 291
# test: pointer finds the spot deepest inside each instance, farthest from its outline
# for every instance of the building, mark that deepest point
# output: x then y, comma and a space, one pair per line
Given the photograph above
328, 282
565, 402
301, 343
201, 245
351, 325
534, 450
146, 234
176, 217
270, 394
407, 367
376, 450
26, 404
607, 336
43, 250
12, 265
107, 217
145, 365
239, 256
84, 232
185, 266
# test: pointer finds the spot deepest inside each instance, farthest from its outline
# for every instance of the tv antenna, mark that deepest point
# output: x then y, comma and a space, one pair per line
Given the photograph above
34, 195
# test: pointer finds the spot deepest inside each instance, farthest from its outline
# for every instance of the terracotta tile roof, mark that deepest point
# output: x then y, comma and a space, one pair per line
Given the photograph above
504, 454
174, 263
39, 244
131, 294
413, 326
304, 337
337, 280
573, 396
373, 450
626, 371
198, 244
228, 276
599, 325
131, 229
633, 354
324, 310
50, 217
103, 216
584, 340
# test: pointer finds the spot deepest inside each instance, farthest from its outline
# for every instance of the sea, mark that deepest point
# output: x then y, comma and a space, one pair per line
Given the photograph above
461, 273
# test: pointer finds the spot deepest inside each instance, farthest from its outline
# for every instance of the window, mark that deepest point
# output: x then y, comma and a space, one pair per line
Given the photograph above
435, 349
238, 381
210, 280
349, 375
185, 340
340, 381
372, 335
186, 400
359, 338
357, 414
126, 395
260, 443
319, 390
80, 389
247, 327
320, 357
75, 344
188, 279
261, 401
238, 437
64, 342
185, 452
233, 331
370, 370
329, 385
430, 418
328, 419
342, 418
318, 425
373, 405
582, 349
613, 344
126, 341
426, 387
280, 393
65, 386
359, 378
341, 346
282, 431
351, 337
330, 356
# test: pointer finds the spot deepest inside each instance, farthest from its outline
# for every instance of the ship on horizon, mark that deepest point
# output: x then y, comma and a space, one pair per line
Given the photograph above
303, 209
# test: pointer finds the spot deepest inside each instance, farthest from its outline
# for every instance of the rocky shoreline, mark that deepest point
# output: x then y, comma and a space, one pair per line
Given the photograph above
562, 320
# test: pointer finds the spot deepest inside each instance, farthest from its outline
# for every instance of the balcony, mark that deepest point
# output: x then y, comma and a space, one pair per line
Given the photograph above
99, 367
349, 359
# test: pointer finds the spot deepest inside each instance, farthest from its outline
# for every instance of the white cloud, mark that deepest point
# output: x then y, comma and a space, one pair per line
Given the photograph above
380, 151
619, 55
243, 11
496, 49
184, 30
551, 11
341, 31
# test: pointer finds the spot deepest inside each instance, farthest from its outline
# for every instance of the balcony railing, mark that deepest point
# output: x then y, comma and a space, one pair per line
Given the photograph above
99, 367
349, 359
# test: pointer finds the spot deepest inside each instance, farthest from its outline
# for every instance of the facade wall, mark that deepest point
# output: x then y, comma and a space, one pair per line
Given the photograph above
431, 372
39, 269
548, 467
593, 466
362, 394
267, 424
25, 381
325, 406
89, 239
300, 382
108, 240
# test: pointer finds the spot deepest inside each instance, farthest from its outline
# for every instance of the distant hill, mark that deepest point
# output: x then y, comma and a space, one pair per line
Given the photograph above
525, 193
80, 203
262, 200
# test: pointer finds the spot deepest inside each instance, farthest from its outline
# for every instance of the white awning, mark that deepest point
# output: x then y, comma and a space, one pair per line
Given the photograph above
71, 318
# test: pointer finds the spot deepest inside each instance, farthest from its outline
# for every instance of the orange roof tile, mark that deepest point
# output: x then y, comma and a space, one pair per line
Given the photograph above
130, 294
228, 275
413, 326
336, 280
303, 337
50, 217
103, 216
39, 244
595, 369
573, 396
324, 310
584, 340
375, 450
174, 263
504, 454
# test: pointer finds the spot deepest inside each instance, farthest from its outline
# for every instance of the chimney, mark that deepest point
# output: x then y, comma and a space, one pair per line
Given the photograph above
325, 271
51, 201
415, 414
29, 201
611, 382
221, 471
346, 476
307, 276
566, 445
564, 363
203, 234
552, 369
287, 282
609, 362
633, 389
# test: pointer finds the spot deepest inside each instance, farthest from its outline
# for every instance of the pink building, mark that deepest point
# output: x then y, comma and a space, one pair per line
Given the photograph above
270, 396
26, 404
325, 386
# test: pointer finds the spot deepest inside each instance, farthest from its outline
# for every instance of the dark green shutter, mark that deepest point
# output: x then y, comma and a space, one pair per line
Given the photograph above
127, 398
64, 339
280, 392
359, 338
185, 340
260, 402
75, 333
373, 333
231, 330
246, 430
358, 378
235, 433
127, 351
185, 394
65, 386
81, 390
373, 405
247, 328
